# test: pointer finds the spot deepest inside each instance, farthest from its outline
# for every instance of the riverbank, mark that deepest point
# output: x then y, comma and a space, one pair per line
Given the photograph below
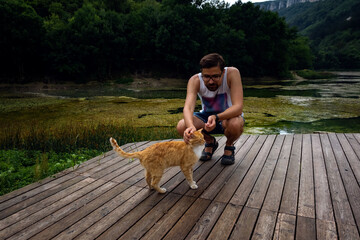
65, 118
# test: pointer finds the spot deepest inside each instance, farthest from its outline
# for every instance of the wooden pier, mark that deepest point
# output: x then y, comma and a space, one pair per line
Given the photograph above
302, 186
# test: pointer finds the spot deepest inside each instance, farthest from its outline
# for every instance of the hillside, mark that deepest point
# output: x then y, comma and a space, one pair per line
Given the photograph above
280, 4
333, 28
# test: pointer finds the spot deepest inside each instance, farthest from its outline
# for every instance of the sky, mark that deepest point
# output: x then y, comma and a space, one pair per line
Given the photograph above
244, 1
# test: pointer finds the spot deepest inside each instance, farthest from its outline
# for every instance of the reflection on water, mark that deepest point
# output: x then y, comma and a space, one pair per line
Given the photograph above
270, 107
304, 106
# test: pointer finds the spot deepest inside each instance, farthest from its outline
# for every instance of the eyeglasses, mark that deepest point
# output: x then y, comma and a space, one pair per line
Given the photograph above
213, 77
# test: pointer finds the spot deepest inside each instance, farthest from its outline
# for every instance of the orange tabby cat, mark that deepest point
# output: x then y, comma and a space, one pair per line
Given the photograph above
156, 158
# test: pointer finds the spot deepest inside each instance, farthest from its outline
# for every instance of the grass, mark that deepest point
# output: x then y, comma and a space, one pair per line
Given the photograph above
40, 136
48, 135
18, 168
311, 74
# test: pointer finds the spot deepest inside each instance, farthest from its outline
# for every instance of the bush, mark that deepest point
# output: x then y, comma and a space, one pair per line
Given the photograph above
310, 74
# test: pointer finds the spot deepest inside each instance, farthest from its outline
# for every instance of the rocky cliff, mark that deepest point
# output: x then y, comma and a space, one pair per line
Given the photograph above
279, 4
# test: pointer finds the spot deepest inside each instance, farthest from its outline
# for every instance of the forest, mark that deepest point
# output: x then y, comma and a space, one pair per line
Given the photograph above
82, 40
333, 28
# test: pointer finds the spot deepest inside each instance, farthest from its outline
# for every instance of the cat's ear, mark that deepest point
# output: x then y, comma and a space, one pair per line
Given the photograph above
200, 130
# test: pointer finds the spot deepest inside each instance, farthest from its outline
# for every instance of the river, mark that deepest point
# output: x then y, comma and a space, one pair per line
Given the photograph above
270, 106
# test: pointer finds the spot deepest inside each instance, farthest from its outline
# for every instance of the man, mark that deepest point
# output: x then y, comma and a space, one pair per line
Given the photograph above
221, 94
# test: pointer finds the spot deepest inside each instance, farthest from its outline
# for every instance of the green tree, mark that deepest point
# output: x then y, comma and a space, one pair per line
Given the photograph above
91, 43
21, 39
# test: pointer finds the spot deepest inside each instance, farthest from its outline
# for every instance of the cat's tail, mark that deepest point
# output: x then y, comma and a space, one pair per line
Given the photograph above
122, 152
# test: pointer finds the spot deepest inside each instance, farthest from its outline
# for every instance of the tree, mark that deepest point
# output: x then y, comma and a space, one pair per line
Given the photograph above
21, 34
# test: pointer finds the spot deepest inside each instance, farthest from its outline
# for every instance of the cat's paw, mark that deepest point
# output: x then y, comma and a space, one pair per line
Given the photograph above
162, 190
194, 186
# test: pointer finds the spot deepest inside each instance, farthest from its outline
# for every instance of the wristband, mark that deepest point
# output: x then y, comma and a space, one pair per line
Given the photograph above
216, 118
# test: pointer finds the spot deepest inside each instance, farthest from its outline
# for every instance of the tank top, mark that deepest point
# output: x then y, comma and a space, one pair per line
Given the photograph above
215, 101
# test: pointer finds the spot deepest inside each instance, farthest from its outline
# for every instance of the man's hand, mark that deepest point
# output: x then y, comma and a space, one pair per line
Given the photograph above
211, 123
187, 133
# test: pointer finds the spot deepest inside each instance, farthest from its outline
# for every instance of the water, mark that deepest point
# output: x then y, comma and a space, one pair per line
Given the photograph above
270, 106
304, 106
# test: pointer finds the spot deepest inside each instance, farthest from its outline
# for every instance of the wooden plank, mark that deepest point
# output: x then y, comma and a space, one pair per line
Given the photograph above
326, 229
265, 225
357, 136
258, 193
235, 179
29, 189
289, 200
342, 210
226, 222
348, 232
164, 225
85, 198
90, 164
89, 168
324, 208
123, 224
186, 223
117, 204
42, 210
242, 193
33, 204
81, 213
306, 207
55, 184
274, 194
305, 228
128, 174
281, 187
106, 222
137, 230
351, 185
245, 224
245, 144
285, 227
205, 224
22, 226
51, 180
355, 144
325, 221
351, 156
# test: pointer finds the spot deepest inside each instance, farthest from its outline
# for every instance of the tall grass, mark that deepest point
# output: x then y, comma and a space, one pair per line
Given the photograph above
31, 152
42, 136
75, 135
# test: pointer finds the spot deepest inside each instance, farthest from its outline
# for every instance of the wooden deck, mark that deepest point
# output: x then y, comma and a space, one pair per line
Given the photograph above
281, 187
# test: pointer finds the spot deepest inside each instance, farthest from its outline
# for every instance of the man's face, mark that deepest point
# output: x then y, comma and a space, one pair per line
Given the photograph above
212, 77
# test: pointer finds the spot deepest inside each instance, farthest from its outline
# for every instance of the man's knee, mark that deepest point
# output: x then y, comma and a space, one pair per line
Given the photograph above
181, 127
234, 126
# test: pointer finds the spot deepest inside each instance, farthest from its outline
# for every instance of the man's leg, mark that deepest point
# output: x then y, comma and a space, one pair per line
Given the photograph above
233, 128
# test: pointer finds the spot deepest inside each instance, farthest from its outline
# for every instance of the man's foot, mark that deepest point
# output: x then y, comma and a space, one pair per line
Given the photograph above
209, 150
227, 159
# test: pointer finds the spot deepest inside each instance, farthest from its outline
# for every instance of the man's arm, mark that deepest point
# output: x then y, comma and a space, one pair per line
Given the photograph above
189, 107
236, 92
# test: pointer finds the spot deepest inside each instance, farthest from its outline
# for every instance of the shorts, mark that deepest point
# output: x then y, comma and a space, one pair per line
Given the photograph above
203, 116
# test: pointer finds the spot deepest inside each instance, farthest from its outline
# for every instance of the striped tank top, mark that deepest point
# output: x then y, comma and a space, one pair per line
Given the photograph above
215, 101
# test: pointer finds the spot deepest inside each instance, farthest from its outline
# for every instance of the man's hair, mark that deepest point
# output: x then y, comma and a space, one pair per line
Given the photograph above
212, 60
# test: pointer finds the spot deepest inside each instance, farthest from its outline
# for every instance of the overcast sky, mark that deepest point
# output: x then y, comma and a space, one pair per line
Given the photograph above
244, 1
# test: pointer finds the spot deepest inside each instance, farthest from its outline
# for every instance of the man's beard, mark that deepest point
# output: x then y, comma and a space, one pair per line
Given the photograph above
212, 87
